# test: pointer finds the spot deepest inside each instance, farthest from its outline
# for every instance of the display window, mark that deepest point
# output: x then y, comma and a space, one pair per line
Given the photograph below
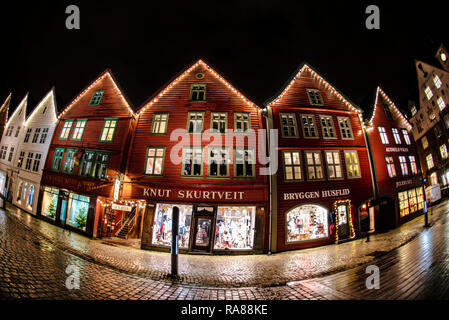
410, 201
235, 228
79, 208
307, 222
50, 202
2, 184
162, 224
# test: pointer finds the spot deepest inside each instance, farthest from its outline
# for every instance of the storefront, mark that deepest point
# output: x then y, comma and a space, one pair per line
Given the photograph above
3, 184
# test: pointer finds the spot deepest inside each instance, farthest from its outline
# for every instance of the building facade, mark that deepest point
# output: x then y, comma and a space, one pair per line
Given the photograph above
196, 146
86, 157
4, 109
324, 177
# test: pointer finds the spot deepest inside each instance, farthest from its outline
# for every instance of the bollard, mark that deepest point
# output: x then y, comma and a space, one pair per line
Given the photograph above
174, 241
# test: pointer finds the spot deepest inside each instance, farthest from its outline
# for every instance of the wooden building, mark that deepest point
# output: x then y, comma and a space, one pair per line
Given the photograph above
87, 157
324, 176
399, 193
196, 146
4, 109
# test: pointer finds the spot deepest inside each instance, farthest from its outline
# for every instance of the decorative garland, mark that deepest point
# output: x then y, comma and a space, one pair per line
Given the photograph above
351, 227
131, 203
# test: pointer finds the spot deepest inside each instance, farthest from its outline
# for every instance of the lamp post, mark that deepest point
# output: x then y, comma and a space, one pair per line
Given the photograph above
174, 241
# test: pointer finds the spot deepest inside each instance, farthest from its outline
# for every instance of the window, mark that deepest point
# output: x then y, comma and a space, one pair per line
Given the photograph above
162, 224
333, 165
292, 165
314, 165
219, 122
306, 222
37, 131
242, 122
9, 131
96, 98
433, 178
160, 123
397, 137
30, 199
44, 135
49, 202
437, 130
429, 161
3, 152
244, 163
443, 151
413, 166
288, 123
17, 132
218, 162
424, 142
390, 166
107, 134
79, 129
406, 137
387, 111
37, 162
441, 103
446, 120
79, 209
410, 201
235, 228
428, 93
66, 130
198, 92
352, 164
345, 128
11, 152
327, 127
308, 126
27, 135
45, 109
383, 135
437, 81
195, 122
29, 161
192, 162
20, 161
94, 164
403, 163
69, 161
315, 97
154, 165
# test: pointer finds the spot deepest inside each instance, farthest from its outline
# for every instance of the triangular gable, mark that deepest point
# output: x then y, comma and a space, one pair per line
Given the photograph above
106, 74
50, 95
4, 110
159, 94
17, 113
331, 89
423, 71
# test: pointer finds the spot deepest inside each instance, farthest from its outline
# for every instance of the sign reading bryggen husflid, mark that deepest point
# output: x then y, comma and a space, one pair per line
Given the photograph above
196, 146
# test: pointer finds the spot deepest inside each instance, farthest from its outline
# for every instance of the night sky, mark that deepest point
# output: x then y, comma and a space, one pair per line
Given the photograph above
256, 45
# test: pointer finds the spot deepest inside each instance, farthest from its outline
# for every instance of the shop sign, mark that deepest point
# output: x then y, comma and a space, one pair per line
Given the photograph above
316, 194
396, 149
403, 183
121, 207
193, 194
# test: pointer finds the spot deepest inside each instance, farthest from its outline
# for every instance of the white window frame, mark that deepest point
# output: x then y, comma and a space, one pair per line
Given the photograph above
350, 163
327, 125
334, 165
289, 126
315, 97
383, 135
314, 165
346, 129
309, 126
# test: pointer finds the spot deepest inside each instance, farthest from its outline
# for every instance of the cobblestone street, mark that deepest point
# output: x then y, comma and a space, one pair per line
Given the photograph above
33, 267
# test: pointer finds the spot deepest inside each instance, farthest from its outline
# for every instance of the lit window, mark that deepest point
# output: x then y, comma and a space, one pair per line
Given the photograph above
96, 98
235, 228
424, 142
334, 170
244, 163
437, 81
307, 222
79, 129
192, 162
218, 162
327, 127
288, 123
109, 126
352, 164
413, 166
66, 130
406, 137
397, 137
429, 161
390, 166
441, 103
345, 128
198, 92
37, 162
219, 122
69, 161
443, 151
195, 124
428, 93
309, 126
27, 135
383, 135
163, 214
433, 178
292, 165
403, 163
155, 161
314, 165
242, 122
160, 123
315, 97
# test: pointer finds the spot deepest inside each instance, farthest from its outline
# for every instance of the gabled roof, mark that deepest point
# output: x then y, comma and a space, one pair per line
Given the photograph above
297, 74
23, 102
5, 105
172, 82
106, 73
38, 105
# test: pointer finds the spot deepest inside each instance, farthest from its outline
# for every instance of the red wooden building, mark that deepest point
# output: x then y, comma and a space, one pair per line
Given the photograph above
196, 146
324, 175
399, 194
87, 158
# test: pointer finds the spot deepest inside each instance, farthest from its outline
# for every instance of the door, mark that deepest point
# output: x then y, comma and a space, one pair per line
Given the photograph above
204, 218
343, 220
61, 212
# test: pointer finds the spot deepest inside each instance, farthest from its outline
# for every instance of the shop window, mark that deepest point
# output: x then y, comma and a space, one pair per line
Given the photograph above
50, 202
441, 103
57, 159
37, 162
30, 198
96, 98
352, 164
192, 162
22, 192
21, 157
428, 92
403, 204
29, 161
218, 162
292, 165
424, 142
289, 126
219, 122
242, 122
334, 170
315, 98
327, 127
69, 161
17, 132
154, 165
433, 178
443, 151
245, 163
27, 135
198, 92
413, 166
235, 228
397, 137
383, 135
410, 201
308, 126
306, 222
3, 152
429, 161
108, 131
79, 129
162, 225
437, 81
403, 163
44, 135
195, 122
390, 166
37, 132
11, 153
345, 128
387, 111
160, 123
66, 130
406, 137
314, 165
94, 164
79, 208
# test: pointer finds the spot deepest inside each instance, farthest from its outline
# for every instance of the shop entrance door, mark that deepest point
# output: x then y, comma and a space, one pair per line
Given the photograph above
203, 229
61, 214
343, 220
